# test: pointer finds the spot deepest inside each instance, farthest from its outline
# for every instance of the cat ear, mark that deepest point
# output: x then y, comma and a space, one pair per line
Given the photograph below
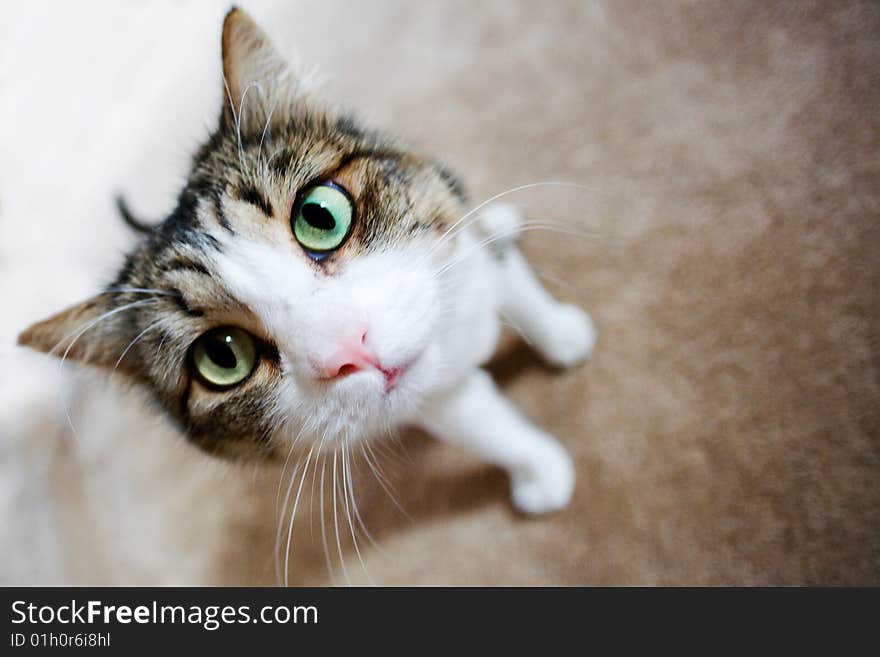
255, 73
94, 332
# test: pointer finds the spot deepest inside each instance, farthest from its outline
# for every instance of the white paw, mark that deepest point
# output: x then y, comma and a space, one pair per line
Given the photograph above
546, 483
500, 222
571, 338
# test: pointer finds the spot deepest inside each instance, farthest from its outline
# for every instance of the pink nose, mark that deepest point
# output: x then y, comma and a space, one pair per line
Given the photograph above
353, 356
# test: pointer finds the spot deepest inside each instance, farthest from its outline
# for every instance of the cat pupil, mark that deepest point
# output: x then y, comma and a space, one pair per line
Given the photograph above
220, 353
318, 216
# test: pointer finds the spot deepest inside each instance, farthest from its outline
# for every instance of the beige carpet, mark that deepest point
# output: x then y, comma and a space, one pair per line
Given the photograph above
727, 430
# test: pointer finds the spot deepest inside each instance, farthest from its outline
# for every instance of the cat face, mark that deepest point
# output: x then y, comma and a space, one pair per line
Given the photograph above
296, 289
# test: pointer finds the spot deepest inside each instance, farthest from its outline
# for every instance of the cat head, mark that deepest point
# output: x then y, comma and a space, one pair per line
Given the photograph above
295, 290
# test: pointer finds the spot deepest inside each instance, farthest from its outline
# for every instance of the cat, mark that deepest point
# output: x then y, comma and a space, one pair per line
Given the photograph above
317, 285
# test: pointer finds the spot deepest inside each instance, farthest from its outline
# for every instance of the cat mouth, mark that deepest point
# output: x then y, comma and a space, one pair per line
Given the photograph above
392, 375
395, 375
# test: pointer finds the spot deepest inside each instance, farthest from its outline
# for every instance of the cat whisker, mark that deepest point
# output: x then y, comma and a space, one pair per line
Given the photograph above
266, 129
380, 477
392, 446
323, 529
161, 344
369, 446
314, 477
76, 335
357, 514
236, 120
256, 84
281, 521
502, 234
132, 343
346, 490
336, 525
280, 517
283, 470
139, 290
229, 96
471, 214
293, 515
552, 278
507, 321
312, 497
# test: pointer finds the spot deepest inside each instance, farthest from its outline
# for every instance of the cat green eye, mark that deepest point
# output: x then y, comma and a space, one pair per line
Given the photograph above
224, 356
322, 218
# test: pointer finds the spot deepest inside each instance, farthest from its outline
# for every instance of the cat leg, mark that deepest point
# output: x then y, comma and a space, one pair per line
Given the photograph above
562, 333
476, 416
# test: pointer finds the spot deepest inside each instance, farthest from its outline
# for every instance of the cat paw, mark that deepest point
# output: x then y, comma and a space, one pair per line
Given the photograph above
500, 223
573, 337
547, 484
